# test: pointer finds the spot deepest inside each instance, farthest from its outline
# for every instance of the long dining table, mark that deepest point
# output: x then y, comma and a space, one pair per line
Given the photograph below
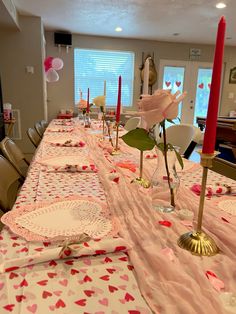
81, 238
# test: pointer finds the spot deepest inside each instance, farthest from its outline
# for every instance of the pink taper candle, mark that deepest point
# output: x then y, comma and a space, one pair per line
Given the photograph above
87, 109
212, 113
118, 102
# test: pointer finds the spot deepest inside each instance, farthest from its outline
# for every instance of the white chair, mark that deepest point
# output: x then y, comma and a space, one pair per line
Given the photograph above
180, 135
132, 123
197, 139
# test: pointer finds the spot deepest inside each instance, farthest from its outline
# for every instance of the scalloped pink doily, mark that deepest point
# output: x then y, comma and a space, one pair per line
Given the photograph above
64, 220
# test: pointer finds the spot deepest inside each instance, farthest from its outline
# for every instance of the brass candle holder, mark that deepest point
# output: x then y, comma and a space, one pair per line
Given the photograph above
140, 180
198, 242
116, 150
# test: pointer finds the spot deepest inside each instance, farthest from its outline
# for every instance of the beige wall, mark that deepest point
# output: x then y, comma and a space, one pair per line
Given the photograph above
60, 94
23, 90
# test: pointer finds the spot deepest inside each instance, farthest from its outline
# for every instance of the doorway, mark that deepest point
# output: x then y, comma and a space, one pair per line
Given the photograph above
193, 77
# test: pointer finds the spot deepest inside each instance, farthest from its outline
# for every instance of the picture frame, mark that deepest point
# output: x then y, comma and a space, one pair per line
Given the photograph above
232, 76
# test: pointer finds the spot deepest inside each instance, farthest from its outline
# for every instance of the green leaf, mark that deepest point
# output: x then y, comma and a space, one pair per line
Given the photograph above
139, 139
180, 160
161, 147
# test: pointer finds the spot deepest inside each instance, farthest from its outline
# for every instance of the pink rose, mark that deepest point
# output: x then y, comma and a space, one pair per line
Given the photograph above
159, 106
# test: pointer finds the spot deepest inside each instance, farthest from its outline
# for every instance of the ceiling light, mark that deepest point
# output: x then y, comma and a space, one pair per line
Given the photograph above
118, 29
220, 5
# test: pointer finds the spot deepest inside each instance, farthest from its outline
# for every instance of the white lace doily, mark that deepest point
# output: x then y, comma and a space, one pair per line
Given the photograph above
68, 218
63, 161
229, 206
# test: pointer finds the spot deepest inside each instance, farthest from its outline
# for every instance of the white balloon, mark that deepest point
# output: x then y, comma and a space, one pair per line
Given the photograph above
57, 64
52, 76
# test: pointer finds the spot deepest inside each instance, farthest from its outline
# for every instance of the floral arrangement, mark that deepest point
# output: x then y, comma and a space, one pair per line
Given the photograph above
156, 109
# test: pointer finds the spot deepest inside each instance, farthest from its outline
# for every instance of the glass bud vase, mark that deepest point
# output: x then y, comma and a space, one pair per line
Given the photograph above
164, 186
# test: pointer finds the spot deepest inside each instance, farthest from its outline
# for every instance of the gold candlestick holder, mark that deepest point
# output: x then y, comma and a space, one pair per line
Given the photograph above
198, 242
116, 150
140, 180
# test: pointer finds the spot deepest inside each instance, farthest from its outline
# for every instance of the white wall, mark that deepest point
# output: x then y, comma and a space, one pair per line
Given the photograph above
61, 94
23, 90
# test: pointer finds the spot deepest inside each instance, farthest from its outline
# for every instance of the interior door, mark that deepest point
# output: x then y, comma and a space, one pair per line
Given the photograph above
193, 77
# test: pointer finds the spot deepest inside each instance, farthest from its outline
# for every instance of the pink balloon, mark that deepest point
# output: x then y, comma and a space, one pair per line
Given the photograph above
57, 64
52, 76
48, 63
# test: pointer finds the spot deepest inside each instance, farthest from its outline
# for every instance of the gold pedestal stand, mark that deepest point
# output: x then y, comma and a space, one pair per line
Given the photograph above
140, 180
198, 242
116, 150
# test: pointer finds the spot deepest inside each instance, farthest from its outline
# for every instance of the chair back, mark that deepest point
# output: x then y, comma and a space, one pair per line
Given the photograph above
180, 135
9, 184
33, 136
44, 124
40, 130
13, 153
197, 138
132, 123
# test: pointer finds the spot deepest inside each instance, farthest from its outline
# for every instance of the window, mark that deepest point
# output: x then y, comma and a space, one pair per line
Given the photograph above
93, 67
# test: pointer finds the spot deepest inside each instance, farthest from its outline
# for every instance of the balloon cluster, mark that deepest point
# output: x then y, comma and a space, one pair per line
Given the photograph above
51, 66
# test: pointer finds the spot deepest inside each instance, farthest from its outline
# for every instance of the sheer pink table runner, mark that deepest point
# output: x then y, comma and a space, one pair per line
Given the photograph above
178, 284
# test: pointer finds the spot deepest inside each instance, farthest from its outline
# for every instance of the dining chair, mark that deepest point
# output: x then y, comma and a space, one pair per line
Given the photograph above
197, 137
39, 128
44, 124
132, 123
33, 136
10, 184
13, 153
179, 135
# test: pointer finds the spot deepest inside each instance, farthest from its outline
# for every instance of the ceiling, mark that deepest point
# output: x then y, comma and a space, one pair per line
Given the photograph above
194, 21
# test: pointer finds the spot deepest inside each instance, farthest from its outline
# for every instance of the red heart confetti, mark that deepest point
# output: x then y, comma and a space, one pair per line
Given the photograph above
210, 273
225, 220
165, 223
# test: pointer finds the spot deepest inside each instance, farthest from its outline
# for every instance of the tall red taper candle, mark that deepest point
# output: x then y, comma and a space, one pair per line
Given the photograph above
212, 112
118, 101
87, 109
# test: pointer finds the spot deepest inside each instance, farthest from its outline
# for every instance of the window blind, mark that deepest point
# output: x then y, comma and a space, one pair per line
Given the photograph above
93, 67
